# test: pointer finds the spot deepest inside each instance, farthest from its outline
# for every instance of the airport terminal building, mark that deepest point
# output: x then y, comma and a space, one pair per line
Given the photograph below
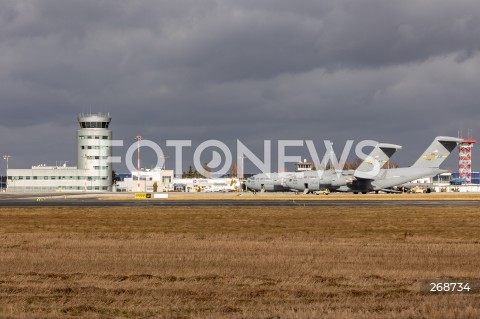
93, 172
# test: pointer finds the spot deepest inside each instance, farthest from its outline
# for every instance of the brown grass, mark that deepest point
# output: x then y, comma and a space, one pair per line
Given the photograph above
288, 262
301, 196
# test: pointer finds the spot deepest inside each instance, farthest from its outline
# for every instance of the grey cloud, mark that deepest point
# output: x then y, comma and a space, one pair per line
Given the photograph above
240, 69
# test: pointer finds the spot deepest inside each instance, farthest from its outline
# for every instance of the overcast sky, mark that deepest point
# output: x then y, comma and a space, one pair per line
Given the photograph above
394, 71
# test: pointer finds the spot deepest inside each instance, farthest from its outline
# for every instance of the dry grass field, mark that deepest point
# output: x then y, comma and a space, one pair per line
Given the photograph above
256, 262
292, 196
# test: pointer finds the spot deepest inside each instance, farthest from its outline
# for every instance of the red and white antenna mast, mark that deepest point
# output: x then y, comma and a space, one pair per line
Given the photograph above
465, 156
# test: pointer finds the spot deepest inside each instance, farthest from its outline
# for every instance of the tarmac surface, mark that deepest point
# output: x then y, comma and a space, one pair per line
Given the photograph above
95, 200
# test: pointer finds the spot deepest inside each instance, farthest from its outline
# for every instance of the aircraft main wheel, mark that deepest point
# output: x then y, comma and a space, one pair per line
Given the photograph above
364, 192
355, 193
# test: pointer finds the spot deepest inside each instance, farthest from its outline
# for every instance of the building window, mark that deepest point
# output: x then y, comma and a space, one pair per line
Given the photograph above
104, 137
166, 179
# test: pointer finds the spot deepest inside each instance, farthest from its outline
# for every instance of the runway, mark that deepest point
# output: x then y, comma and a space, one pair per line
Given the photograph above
203, 200
94, 202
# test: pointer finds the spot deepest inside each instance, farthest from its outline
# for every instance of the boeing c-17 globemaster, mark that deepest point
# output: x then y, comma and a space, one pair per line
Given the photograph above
367, 177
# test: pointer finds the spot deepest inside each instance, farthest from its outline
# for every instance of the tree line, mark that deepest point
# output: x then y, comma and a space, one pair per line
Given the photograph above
191, 172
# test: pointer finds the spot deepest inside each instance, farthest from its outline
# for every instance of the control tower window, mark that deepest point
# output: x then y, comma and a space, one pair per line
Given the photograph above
94, 124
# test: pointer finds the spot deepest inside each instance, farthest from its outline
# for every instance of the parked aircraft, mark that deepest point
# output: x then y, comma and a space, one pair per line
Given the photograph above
292, 181
366, 179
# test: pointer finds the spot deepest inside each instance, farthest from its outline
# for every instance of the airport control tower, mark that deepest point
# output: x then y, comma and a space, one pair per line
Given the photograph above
94, 150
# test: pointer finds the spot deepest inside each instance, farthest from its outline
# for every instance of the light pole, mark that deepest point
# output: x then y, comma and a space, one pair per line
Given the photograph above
164, 160
138, 138
6, 157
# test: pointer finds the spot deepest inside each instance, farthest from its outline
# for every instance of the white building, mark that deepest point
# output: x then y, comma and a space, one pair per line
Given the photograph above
303, 166
148, 177
92, 173
206, 184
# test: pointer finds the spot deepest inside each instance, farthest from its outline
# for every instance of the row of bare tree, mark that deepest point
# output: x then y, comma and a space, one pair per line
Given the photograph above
193, 173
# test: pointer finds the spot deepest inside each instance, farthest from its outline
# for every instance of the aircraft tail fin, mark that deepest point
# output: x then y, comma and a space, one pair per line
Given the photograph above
437, 152
370, 167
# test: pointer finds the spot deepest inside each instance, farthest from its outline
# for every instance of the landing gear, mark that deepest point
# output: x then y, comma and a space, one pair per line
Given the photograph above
355, 193
364, 192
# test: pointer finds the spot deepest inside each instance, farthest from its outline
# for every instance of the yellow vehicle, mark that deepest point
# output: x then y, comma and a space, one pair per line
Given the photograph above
417, 190
324, 192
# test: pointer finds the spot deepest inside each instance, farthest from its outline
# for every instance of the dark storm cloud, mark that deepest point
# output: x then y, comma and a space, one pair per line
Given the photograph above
397, 71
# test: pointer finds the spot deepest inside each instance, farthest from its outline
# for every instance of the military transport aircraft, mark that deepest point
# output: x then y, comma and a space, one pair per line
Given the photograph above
367, 177
277, 182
